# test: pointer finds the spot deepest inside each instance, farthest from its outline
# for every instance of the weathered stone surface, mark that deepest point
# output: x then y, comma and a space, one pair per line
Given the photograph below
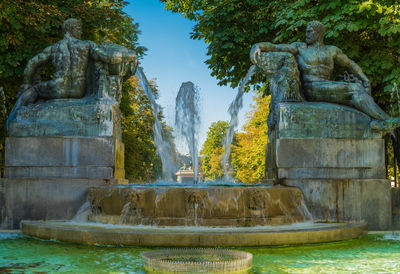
322, 120
207, 206
96, 234
325, 158
330, 173
59, 172
330, 153
322, 140
59, 151
73, 157
396, 208
348, 200
42, 199
85, 117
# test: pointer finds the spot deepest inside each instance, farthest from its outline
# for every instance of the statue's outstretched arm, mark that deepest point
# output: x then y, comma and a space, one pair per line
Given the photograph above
99, 53
35, 63
267, 46
342, 60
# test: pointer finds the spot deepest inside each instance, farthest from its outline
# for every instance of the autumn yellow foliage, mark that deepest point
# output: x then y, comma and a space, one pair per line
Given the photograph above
248, 155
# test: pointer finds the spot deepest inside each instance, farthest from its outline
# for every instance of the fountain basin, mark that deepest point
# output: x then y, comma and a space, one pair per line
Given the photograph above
103, 234
228, 206
197, 260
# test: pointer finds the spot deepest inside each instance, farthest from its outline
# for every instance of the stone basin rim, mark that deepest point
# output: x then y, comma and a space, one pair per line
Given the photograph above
56, 230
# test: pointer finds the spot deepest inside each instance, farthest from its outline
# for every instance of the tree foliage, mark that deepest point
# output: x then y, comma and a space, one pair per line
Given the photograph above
213, 151
248, 155
29, 26
141, 161
368, 31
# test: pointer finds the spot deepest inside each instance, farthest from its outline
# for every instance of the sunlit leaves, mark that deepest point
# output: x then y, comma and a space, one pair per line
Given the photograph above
213, 151
248, 155
367, 31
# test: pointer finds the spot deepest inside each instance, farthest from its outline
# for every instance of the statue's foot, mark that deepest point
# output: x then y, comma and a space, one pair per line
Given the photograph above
386, 125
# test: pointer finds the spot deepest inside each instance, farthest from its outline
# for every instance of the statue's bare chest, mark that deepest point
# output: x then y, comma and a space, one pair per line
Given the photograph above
311, 56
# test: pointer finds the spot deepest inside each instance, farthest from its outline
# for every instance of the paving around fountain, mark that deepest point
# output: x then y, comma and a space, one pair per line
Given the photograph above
64, 176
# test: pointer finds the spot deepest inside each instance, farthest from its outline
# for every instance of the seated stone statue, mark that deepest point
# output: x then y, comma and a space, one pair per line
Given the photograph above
73, 59
316, 62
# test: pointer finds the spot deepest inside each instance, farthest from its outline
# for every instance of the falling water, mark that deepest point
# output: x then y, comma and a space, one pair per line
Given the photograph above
83, 213
233, 111
187, 120
163, 146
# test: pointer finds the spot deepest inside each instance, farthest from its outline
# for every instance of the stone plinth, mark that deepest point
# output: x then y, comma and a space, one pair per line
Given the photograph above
64, 157
55, 152
66, 138
205, 206
42, 199
330, 152
87, 117
324, 141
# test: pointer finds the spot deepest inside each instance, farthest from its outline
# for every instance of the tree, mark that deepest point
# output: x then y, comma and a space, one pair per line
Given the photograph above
29, 26
213, 150
248, 155
141, 161
367, 31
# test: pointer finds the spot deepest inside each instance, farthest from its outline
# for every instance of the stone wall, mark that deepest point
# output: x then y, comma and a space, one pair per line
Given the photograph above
396, 208
42, 199
64, 157
348, 200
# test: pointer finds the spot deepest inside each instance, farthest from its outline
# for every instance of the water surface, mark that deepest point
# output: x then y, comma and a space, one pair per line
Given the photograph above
371, 253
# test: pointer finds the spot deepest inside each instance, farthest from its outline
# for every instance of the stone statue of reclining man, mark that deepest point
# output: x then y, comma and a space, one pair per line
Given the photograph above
70, 58
316, 62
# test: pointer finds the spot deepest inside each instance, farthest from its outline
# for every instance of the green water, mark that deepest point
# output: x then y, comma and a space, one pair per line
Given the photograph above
369, 254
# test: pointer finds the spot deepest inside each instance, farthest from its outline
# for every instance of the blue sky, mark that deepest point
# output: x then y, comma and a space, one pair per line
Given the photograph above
173, 58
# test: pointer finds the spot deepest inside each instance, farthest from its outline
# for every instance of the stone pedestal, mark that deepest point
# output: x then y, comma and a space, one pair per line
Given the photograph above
64, 157
56, 151
331, 153
324, 141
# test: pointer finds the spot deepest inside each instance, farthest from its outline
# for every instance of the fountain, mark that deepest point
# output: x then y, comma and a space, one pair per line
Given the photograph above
200, 260
187, 121
233, 111
163, 146
162, 214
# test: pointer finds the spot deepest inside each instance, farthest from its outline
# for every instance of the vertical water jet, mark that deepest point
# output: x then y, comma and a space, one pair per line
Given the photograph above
187, 120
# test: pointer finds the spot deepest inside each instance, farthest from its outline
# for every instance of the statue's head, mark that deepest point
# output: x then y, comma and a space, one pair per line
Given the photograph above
73, 27
315, 32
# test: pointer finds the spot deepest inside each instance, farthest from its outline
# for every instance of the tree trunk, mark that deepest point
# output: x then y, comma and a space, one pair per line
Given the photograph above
395, 138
